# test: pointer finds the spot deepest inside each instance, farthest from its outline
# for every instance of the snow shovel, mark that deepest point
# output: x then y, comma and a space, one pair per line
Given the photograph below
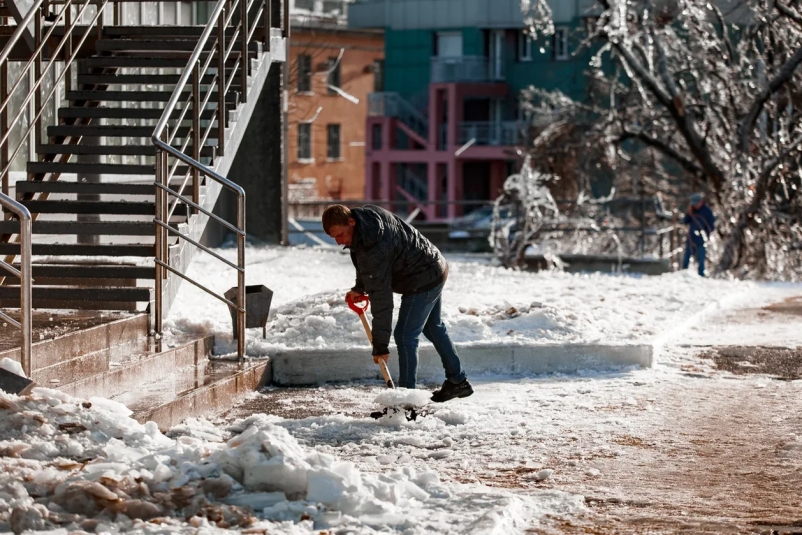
359, 307
15, 384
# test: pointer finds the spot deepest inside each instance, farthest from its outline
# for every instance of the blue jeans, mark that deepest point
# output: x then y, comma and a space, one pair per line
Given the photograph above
697, 249
421, 313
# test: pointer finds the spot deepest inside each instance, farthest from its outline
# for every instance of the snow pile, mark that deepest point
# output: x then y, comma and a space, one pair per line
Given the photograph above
12, 366
481, 303
79, 464
403, 397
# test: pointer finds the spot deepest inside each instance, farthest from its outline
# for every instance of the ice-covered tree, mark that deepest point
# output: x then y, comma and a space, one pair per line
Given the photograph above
713, 87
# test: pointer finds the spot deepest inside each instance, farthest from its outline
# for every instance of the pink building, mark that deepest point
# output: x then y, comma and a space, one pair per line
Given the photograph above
449, 150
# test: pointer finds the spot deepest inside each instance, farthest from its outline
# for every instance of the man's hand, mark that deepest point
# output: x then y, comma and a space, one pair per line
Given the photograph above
354, 296
384, 357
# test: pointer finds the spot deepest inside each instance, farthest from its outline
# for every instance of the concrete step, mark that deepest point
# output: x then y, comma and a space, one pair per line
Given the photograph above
129, 375
223, 384
73, 249
80, 334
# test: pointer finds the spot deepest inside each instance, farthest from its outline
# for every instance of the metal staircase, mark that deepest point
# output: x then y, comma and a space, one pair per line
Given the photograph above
124, 241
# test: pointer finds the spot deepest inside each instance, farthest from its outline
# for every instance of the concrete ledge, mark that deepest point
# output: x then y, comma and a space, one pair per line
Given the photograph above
211, 399
309, 367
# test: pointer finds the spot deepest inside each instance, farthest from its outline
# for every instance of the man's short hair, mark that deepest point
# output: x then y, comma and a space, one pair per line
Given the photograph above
336, 215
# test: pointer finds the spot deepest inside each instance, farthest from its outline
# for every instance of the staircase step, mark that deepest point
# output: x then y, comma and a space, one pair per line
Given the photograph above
64, 130
83, 228
116, 150
223, 384
139, 61
98, 188
95, 207
103, 112
183, 367
56, 293
139, 96
85, 334
154, 46
180, 32
91, 271
76, 249
91, 168
138, 79
108, 188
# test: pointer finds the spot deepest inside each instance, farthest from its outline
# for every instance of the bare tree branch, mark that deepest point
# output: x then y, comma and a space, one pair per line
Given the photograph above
783, 75
662, 147
769, 167
788, 12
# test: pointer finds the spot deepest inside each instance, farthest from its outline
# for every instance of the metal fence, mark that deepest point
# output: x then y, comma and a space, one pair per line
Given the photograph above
592, 228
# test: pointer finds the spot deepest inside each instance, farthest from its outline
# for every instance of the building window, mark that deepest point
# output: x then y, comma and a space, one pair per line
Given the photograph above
376, 142
304, 73
305, 141
334, 75
378, 75
561, 43
524, 47
333, 144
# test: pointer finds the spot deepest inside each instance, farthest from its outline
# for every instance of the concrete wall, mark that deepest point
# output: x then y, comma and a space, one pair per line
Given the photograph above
342, 178
258, 167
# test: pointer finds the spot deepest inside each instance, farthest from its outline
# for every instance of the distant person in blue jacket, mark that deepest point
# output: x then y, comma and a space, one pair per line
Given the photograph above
701, 222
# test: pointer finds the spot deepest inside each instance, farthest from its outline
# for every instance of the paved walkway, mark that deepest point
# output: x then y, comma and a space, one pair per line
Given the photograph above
702, 443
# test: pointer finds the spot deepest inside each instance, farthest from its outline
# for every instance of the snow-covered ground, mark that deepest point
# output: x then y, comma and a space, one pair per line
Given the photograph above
481, 303
522, 454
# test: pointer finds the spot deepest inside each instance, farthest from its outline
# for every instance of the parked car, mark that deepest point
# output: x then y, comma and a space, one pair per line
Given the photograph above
476, 224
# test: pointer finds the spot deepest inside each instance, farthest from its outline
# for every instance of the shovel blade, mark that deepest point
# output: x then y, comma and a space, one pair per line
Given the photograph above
15, 384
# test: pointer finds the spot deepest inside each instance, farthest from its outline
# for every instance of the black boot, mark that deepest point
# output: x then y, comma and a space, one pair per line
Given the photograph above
452, 390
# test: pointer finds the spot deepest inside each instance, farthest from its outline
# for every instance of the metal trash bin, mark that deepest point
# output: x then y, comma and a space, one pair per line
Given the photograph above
257, 307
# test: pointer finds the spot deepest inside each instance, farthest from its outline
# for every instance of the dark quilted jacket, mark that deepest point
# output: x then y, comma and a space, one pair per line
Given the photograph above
390, 256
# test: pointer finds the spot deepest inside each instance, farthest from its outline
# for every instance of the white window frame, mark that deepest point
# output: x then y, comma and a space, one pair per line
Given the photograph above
524, 46
339, 157
311, 158
561, 52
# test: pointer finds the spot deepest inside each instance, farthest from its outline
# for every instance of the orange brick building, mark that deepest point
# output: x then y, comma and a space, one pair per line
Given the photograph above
332, 70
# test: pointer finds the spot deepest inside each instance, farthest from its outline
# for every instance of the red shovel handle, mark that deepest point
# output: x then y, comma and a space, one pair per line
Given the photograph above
358, 305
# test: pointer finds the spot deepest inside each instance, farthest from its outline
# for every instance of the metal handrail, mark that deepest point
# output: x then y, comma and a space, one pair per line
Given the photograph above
35, 91
168, 199
24, 274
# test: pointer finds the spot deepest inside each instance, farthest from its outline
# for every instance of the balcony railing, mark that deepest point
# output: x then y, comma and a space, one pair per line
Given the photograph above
465, 69
393, 105
493, 133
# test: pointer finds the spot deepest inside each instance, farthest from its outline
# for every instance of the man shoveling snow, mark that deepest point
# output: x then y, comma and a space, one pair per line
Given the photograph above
391, 256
